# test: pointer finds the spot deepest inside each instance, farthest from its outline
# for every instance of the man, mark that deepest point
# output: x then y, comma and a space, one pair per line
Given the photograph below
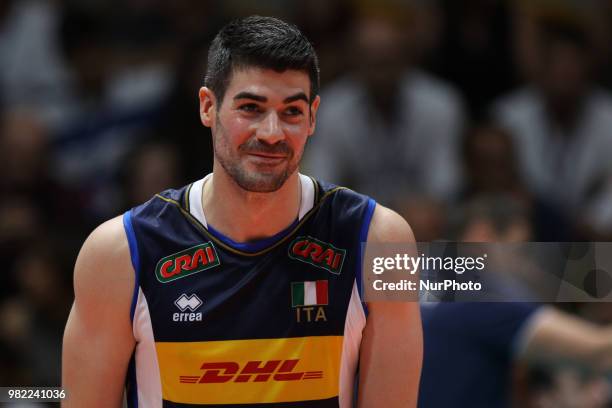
560, 124
488, 340
414, 119
242, 288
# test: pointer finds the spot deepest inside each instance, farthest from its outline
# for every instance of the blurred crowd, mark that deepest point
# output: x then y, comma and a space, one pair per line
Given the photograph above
429, 106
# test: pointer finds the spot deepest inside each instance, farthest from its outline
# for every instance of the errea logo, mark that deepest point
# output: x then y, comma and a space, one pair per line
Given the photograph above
184, 303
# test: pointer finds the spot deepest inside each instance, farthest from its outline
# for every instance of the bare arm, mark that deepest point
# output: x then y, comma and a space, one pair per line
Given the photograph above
392, 345
98, 340
558, 337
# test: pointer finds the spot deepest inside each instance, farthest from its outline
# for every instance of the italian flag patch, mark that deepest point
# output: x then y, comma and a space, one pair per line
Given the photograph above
310, 293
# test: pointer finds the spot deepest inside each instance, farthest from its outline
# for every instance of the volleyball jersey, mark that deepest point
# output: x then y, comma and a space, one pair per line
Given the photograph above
272, 323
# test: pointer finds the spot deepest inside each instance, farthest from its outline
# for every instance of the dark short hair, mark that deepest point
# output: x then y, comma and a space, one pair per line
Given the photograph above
263, 42
574, 34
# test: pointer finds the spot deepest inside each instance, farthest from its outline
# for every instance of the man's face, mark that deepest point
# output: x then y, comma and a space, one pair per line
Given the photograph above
260, 129
384, 46
566, 72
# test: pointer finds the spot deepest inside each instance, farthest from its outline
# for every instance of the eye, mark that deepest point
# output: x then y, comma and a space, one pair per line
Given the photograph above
293, 111
250, 108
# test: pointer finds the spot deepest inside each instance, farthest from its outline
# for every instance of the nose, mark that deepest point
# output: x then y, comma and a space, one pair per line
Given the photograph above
270, 129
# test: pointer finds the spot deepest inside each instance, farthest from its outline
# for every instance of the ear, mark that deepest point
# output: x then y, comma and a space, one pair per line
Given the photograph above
314, 107
208, 106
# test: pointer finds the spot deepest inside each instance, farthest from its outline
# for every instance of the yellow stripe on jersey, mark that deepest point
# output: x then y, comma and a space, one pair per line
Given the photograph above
250, 371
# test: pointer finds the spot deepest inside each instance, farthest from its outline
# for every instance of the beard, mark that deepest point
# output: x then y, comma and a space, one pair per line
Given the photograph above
264, 178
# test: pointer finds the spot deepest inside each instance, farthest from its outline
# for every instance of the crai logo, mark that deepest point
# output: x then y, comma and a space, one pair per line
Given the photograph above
317, 253
187, 262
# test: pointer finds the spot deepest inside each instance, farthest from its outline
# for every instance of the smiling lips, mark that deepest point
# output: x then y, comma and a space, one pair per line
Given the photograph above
265, 154
268, 155
267, 158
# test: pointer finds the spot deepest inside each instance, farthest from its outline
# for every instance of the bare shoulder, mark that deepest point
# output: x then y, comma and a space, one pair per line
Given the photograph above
103, 268
100, 320
389, 226
108, 239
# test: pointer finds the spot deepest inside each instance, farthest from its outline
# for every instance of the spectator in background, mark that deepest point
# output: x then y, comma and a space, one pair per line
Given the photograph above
427, 217
16, 326
179, 120
24, 150
113, 100
151, 168
31, 72
491, 167
31, 201
471, 348
326, 24
476, 50
386, 128
561, 127
45, 293
566, 389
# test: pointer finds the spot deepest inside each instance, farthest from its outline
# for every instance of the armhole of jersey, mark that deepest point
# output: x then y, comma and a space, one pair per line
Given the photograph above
133, 245
363, 238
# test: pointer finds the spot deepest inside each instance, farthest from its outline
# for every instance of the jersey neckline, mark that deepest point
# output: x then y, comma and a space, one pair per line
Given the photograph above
253, 246
193, 198
192, 208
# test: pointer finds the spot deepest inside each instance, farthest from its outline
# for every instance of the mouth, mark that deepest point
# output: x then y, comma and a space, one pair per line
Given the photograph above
267, 158
268, 155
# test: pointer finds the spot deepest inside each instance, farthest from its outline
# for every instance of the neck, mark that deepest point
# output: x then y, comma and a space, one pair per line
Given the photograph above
245, 216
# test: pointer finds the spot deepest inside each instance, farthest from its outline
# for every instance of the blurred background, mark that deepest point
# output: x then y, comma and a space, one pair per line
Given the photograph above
429, 106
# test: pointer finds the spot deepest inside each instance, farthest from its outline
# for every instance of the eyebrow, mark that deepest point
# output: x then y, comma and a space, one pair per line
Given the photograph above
249, 95
300, 96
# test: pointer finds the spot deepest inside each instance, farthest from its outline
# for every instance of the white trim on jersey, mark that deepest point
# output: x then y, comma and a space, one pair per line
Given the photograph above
353, 331
195, 198
307, 195
148, 381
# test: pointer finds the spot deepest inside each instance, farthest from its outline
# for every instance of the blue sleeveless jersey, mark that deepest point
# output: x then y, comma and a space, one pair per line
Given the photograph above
271, 323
